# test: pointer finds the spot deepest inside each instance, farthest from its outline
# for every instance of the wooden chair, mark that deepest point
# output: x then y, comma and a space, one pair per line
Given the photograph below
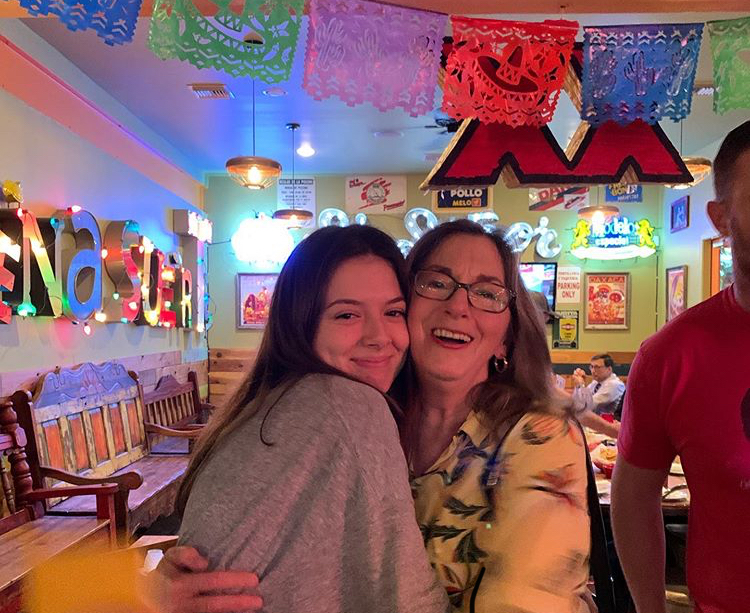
174, 414
88, 426
28, 536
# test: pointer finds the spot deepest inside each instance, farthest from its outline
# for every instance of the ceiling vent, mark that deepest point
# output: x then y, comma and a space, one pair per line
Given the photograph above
210, 91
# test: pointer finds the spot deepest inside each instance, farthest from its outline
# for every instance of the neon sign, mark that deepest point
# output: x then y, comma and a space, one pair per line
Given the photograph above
613, 238
419, 220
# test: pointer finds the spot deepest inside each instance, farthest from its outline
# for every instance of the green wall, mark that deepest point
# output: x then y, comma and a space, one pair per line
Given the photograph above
227, 205
685, 247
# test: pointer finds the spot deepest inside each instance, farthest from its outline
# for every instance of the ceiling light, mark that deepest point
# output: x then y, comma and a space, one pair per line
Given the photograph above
252, 171
293, 217
699, 167
274, 92
305, 150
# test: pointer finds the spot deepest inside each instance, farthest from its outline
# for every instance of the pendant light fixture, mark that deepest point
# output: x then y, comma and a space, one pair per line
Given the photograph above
252, 171
293, 217
699, 167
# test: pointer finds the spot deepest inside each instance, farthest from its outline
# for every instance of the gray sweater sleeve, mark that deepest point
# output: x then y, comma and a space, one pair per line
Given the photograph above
324, 514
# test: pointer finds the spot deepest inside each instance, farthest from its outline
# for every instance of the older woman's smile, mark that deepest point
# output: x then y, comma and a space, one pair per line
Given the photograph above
451, 338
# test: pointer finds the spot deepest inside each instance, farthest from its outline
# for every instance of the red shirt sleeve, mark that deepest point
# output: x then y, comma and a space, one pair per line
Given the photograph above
643, 439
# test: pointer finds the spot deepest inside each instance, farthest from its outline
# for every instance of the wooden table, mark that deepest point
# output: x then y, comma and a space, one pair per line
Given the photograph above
670, 508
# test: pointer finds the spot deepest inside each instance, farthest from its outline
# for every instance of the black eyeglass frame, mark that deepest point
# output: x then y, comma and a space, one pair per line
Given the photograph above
467, 286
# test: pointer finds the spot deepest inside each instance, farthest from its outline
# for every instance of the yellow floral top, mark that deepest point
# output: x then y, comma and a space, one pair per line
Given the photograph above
507, 528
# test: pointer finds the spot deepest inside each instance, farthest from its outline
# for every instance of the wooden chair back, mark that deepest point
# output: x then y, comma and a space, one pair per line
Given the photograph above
173, 407
86, 420
173, 404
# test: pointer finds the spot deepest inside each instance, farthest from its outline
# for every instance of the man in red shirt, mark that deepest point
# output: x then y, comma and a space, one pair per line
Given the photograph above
689, 395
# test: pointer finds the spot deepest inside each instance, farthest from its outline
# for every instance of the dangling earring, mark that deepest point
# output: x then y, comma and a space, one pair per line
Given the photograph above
500, 364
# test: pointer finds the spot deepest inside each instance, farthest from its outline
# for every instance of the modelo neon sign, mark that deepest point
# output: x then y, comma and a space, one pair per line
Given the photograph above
419, 220
57, 270
613, 238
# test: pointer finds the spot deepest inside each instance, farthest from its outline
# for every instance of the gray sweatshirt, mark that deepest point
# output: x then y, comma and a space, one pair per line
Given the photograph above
324, 515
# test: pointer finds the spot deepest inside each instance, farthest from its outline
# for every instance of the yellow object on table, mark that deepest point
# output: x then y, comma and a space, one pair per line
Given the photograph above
87, 583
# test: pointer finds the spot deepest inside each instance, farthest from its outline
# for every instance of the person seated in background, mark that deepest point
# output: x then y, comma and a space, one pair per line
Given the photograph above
600, 396
585, 415
603, 393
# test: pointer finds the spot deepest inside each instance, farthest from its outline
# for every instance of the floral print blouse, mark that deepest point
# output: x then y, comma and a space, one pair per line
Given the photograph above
507, 528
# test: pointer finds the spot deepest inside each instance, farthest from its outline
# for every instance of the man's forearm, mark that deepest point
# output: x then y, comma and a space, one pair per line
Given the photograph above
639, 538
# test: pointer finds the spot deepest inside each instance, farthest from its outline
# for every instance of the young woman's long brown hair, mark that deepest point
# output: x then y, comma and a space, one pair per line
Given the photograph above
526, 384
286, 352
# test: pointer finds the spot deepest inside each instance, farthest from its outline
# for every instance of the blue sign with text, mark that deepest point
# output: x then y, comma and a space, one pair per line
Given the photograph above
620, 192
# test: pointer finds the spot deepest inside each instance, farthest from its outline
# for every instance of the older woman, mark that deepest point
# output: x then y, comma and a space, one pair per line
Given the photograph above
498, 466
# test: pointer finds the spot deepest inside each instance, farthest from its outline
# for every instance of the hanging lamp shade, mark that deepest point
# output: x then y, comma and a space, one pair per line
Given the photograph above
293, 217
253, 172
598, 211
699, 167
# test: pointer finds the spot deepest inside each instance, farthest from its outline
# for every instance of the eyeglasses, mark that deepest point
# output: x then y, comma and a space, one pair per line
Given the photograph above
597, 366
484, 295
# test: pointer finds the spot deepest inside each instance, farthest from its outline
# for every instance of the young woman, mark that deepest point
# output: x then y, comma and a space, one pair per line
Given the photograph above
302, 479
498, 466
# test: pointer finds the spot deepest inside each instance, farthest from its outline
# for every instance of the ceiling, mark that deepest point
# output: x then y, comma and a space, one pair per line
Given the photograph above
208, 132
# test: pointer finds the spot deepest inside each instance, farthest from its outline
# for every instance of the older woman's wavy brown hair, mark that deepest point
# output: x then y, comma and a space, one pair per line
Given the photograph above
526, 384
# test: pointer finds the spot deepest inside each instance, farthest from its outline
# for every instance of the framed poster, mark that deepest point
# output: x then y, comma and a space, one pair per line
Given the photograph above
607, 301
462, 200
676, 291
376, 194
254, 293
565, 330
680, 214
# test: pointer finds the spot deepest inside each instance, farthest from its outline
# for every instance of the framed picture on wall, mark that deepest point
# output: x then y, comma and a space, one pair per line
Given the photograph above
680, 214
254, 291
676, 291
607, 301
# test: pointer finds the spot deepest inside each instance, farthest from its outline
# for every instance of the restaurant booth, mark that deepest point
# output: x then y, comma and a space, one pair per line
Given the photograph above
136, 272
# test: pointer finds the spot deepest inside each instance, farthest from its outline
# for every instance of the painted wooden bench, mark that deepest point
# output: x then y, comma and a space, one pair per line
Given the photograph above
88, 425
174, 414
28, 535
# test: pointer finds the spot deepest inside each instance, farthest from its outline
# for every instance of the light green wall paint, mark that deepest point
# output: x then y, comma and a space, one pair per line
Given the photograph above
686, 246
228, 204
